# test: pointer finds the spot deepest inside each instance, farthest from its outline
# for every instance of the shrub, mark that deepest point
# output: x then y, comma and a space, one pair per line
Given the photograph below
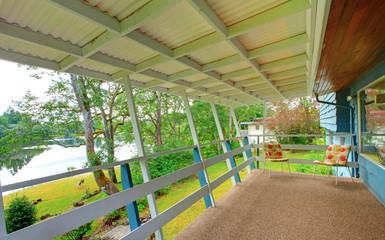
142, 203
20, 214
77, 233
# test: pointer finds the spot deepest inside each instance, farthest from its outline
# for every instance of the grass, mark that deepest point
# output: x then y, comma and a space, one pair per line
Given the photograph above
59, 196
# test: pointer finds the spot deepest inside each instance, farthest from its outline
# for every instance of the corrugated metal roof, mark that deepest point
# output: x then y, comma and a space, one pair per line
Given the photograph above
43, 17
195, 77
282, 54
141, 78
170, 67
212, 53
97, 67
286, 68
245, 77
231, 12
117, 9
30, 49
274, 31
232, 68
177, 26
167, 85
69, 26
128, 50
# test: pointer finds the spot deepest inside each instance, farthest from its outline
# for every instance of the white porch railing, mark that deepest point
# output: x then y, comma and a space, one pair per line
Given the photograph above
70, 220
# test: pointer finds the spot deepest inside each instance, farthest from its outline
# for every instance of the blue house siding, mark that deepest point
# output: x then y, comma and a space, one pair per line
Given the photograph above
337, 120
373, 175
328, 113
343, 114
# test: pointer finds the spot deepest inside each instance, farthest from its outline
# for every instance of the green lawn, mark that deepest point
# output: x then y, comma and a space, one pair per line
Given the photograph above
58, 196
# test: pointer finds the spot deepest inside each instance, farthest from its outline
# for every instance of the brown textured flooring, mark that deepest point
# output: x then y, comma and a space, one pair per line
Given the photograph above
298, 208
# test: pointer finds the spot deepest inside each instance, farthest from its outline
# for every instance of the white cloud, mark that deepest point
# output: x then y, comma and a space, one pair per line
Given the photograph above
16, 81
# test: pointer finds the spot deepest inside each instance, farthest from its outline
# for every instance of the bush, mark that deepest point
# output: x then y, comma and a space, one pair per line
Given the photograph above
20, 214
142, 203
77, 233
113, 216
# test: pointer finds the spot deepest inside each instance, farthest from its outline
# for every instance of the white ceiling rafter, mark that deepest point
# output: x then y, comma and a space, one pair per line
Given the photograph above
158, 47
288, 73
290, 42
284, 62
29, 60
241, 69
39, 39
258, 80
302, 78
115, 29
128, 27
229, 33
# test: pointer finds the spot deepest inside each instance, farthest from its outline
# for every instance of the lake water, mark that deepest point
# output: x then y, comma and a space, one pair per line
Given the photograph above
56, 160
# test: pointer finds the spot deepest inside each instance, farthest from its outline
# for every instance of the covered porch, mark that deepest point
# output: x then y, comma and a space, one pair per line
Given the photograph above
281, 207
226, 53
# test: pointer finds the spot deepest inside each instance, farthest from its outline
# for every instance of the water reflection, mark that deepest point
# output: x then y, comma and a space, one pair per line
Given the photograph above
56, 160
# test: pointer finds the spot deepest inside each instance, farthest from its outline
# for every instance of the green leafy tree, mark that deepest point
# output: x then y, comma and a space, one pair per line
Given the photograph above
160, 115
20, 141
206, 127
68, 112
299, 116
21, 213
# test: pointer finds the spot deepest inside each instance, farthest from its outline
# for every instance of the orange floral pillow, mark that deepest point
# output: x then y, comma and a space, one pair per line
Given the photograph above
337, 154
272, 151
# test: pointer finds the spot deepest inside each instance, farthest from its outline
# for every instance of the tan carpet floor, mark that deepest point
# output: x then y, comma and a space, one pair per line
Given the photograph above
291, 208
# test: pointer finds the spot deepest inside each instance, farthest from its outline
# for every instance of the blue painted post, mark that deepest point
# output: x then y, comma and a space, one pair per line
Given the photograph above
201, 177
249, 155
232, 161
132, 208
258, 154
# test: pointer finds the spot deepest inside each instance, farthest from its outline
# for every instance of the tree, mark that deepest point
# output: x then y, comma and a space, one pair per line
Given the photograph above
299, 116
82, 98
69, 112
159, 114
110, 106
375, 113
20, 140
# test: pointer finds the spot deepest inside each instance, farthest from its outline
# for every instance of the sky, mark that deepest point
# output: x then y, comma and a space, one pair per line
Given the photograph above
16, 81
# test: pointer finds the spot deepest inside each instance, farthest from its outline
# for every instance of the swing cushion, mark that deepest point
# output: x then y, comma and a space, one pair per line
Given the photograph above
273, 152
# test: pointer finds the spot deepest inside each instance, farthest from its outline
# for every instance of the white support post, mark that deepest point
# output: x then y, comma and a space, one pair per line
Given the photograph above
234, 117
264, 121
141, 152
3, 229
221, 137
196, 142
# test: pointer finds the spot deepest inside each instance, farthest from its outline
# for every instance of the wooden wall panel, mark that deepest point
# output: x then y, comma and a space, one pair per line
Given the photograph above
354, 43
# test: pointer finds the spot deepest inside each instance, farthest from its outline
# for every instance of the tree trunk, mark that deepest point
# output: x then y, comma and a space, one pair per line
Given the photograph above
109, 141
158, 120
111, 154
105, 184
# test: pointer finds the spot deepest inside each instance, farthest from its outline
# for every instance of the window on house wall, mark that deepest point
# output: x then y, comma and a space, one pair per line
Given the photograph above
373, 121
